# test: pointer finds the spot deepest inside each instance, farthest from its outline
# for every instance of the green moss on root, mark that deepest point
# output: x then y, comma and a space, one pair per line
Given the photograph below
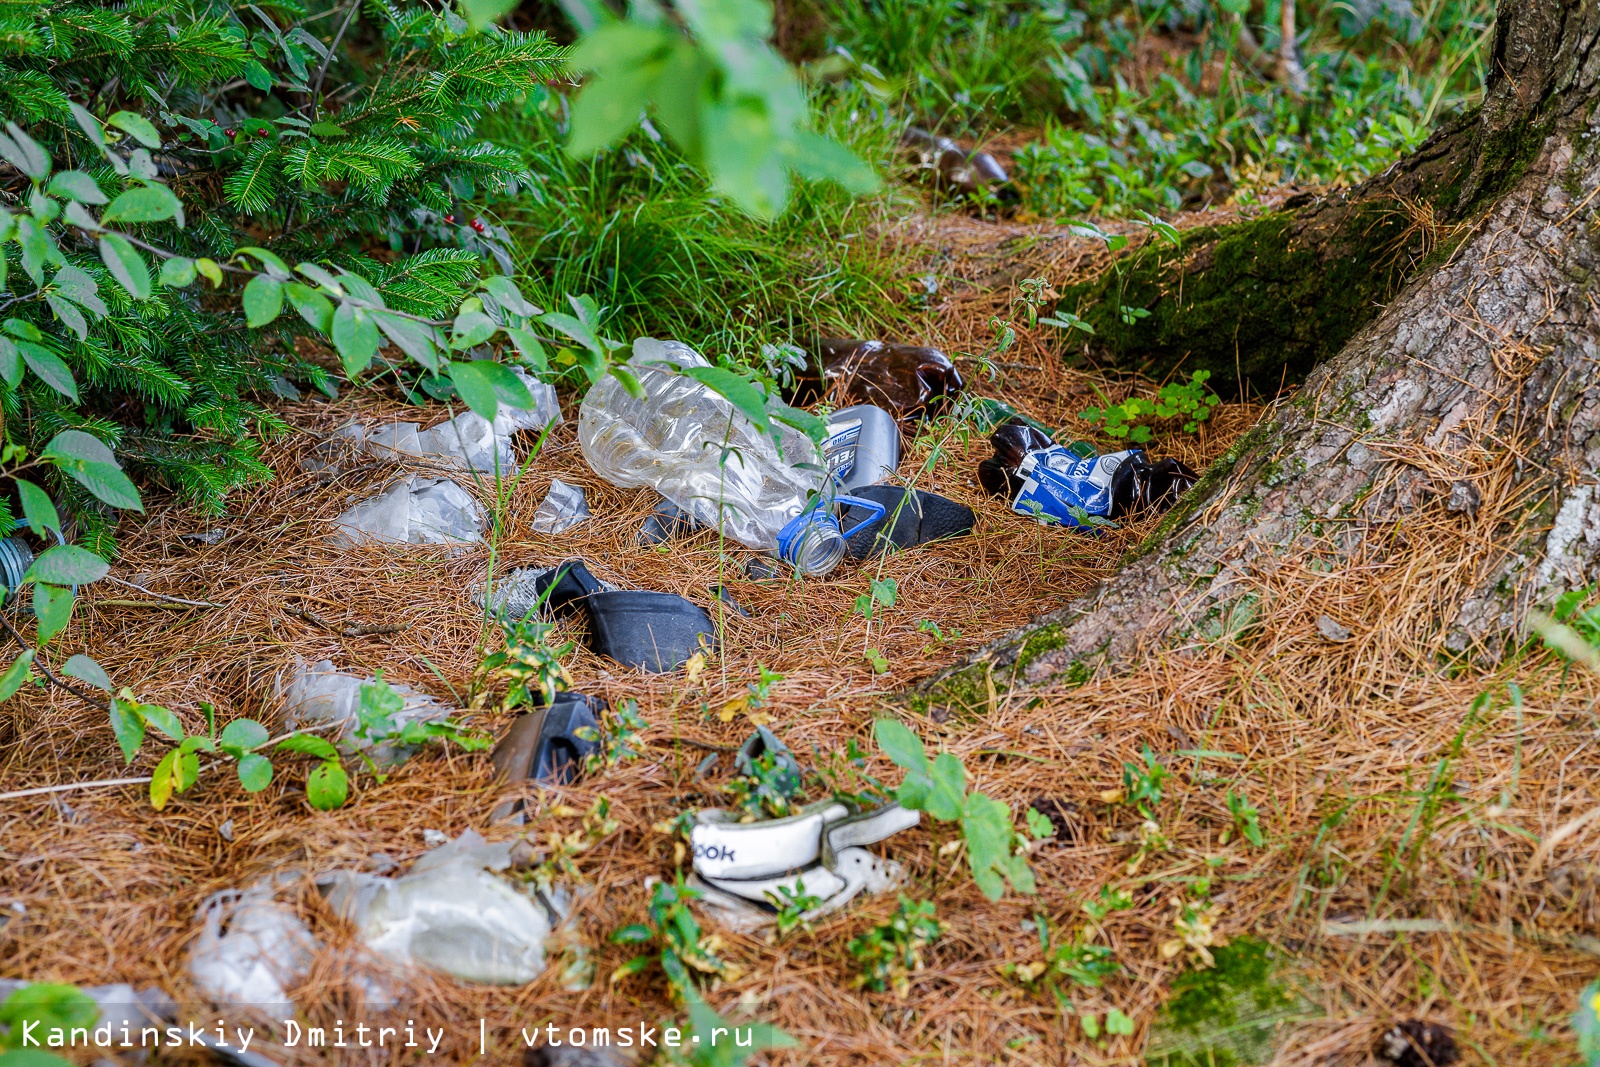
1261, 301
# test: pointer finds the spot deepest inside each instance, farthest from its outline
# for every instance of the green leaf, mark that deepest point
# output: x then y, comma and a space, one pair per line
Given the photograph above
210, 269
136, 126
737, 390
471, 328
633, 934
85, 669
255, 772
177, 272
987, 828
901, 745
270, 260
243, 734
820, 158
165, 780
507, 295
126, 265
76, 185
529, 348
147, 203
15, 674
315, 308
259, 79
10, 362
24, 153
128, 726
92, 465
52, 605
263, 300
475, 388
327, 129
1118, 1023
1039, 825
355, 337
949, 788
327, 786
162, 719
50, 369
51, 1006
38, 508
67, 565
308, 745
422, 343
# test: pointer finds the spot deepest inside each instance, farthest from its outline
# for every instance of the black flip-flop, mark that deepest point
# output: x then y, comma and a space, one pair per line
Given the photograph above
912, 517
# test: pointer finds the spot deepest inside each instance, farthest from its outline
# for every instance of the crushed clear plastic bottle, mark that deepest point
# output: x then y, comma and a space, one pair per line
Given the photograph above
675, 439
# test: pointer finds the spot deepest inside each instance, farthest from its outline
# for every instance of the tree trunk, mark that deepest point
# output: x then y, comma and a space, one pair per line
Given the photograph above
1473, 398
1262, 302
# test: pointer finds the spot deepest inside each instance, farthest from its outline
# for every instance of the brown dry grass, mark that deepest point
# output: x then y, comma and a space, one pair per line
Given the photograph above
1334, 742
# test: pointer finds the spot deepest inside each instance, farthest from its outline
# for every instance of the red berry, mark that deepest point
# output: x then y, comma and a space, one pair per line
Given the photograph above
477, 224
451, 219
231, 132
261, 131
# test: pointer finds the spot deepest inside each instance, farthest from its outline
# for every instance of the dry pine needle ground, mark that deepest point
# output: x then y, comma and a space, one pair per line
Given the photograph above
1336, 743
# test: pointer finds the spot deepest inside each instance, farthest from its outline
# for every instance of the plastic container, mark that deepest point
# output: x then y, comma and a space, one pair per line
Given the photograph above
1062, 487
655, 631
862, 447
15, 559
693, 447
907, 380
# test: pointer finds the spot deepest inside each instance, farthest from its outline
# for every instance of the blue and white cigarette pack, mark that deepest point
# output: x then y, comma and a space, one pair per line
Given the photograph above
1058, 484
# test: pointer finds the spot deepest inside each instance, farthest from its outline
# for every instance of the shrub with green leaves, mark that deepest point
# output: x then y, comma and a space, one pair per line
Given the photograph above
939, 787
337, 134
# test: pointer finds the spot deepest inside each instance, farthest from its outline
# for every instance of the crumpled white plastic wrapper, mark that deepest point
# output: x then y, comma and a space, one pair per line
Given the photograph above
562, 508
249, 949
468, 440
517, 593
318, 694
449, 912
413, 511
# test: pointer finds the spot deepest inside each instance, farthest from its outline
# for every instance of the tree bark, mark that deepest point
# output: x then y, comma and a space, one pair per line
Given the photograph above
1262, 302
1473, 399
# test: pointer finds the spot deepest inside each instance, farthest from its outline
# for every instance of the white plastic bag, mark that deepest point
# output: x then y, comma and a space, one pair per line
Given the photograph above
413, 511
319, 693
563, 507
449, 912
249, 949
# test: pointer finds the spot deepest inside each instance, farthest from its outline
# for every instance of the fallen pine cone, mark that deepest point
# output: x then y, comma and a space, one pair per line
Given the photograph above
1415, 1043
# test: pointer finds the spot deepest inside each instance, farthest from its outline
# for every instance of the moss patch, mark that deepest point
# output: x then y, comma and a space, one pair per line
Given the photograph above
1229, 1015
1261, 301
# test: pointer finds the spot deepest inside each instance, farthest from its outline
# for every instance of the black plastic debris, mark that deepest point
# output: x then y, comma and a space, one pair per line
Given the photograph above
1140, 485
914, 517
1414, 1043
722, 594
666, 523
550, 744
977, 175
655, 631
566, 586
1012, 441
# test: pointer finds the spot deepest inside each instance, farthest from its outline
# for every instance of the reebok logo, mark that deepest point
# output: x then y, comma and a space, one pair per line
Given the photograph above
713, 852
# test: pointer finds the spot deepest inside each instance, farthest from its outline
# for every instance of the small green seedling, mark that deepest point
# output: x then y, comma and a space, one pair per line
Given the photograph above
888, 955
1246, 819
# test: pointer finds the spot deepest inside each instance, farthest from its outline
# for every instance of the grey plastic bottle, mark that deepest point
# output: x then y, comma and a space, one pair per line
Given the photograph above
863, 446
